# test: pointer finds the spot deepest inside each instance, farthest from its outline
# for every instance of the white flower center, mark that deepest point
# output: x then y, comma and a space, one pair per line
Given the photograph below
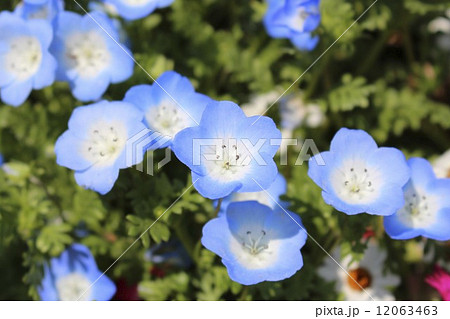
73, 287
231, 163
255, 243
87, 53
356, 183
105, 143
420, 208
167, 118
24, 57
298, 22
254, 249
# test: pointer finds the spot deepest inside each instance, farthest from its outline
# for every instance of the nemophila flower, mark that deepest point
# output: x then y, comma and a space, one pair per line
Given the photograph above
137, 9
1, 160
229, 152
255, 242
71, 276
269, 197
25, 62
440, 280
94, 146
426, 211
358, 176
294, 20
170, 254
363, 280
441, 165
170, 104
89, 56
46, 11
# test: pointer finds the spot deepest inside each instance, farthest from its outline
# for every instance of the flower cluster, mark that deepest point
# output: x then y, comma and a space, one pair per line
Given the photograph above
358, 177
41, 43
229, 151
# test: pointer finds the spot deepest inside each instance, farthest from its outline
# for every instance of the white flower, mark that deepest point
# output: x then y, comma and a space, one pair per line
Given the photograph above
314, 116
441, 165
259, 104
367, 273
294, 111
441, 25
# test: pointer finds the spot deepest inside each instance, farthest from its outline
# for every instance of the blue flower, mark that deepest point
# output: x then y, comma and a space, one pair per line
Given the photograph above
358, 177
90, 57
46, 11
229, 152
136, 9
170, 104
266, 197
294, 20
71, 277
427, 206
95, 144
1, 160
256, 243
171, 253
25, 62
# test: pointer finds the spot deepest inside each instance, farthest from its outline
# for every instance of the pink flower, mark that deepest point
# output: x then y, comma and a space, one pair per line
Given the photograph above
440, 280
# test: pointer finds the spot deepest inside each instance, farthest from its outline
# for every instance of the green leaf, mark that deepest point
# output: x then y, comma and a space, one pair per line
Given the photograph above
53, 239
353, 93
160, 232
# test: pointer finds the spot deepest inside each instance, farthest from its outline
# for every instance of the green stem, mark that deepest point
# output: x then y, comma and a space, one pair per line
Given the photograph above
186, 239
219, 204
317, 76
374, 53
244, 294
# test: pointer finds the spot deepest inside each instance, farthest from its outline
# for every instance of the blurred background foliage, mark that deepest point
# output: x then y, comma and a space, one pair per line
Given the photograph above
386, 75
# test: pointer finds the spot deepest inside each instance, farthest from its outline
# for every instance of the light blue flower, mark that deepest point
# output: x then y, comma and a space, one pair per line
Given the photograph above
46, 11
229, 152
170, 104
137, 9
90, 57
256, 243
269, 197
71, 277
95, 144
358, 177
294, 20
1, 159
25, 62
427, 206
